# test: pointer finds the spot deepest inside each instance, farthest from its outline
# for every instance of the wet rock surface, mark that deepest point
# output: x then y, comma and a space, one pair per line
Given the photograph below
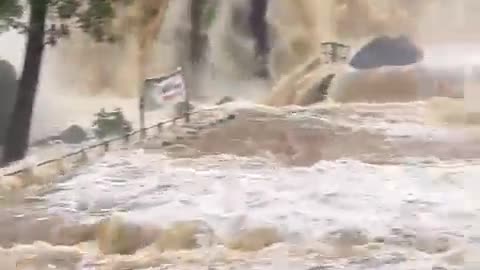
73, 135
387, 51
224, 100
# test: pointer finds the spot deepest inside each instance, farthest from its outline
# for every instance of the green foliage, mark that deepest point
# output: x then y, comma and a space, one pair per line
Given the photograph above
92, 16
209, 14
95, 18
10, 11
110, 123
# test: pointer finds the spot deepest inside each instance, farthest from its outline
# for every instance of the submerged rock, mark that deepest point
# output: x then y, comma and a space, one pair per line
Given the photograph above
73, 135
318, 92
225, 99
387, 51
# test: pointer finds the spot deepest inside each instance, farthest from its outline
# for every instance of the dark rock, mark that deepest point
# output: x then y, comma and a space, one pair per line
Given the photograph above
318, 92
387, 51
73, 135
192, 132
166, 143
8, 94
225, 99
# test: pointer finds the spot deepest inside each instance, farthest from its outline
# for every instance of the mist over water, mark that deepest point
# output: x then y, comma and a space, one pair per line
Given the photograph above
80, 66
387, 182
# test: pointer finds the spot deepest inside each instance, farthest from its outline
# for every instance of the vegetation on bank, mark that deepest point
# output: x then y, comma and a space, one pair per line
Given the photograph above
51, 20
93, 18
110, 123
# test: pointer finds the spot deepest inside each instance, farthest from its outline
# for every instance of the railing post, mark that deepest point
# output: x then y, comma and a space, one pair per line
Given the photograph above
187, 105
142, 113
187, 115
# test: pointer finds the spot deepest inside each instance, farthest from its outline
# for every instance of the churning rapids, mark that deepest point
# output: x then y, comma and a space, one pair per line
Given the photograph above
357, 186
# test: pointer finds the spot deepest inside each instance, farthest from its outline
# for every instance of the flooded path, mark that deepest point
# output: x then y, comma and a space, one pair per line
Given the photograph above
358, 186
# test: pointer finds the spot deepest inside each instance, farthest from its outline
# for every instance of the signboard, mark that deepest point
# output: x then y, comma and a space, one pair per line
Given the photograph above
162, 90
158, 91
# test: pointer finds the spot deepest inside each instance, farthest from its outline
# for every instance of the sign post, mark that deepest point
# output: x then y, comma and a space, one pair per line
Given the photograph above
336, 51
161, 90
187, 106
141, 107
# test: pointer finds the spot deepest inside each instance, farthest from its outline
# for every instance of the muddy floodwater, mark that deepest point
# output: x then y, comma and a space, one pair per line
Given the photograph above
358, 186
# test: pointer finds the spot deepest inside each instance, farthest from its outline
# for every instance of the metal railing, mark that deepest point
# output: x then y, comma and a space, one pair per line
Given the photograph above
27, 171
335, 52
106, 144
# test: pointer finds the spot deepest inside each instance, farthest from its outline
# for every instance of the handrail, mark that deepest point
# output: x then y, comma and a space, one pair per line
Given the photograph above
106, 143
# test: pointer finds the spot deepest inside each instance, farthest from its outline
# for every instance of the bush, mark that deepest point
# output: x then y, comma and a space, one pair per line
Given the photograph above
110, 123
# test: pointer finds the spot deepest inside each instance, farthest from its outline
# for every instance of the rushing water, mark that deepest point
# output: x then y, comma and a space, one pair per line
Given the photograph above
333, 186
358, 186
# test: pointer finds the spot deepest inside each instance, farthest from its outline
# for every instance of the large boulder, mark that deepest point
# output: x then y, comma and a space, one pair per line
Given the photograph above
73, 135
387, 51
224, 100
8, 94
394, 84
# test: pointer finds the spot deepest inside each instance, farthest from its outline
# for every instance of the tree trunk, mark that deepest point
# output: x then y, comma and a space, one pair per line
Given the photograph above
259, 28
18, 132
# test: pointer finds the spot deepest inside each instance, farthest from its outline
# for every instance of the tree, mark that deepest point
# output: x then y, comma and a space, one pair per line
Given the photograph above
93, 18
9, 10
16, 142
